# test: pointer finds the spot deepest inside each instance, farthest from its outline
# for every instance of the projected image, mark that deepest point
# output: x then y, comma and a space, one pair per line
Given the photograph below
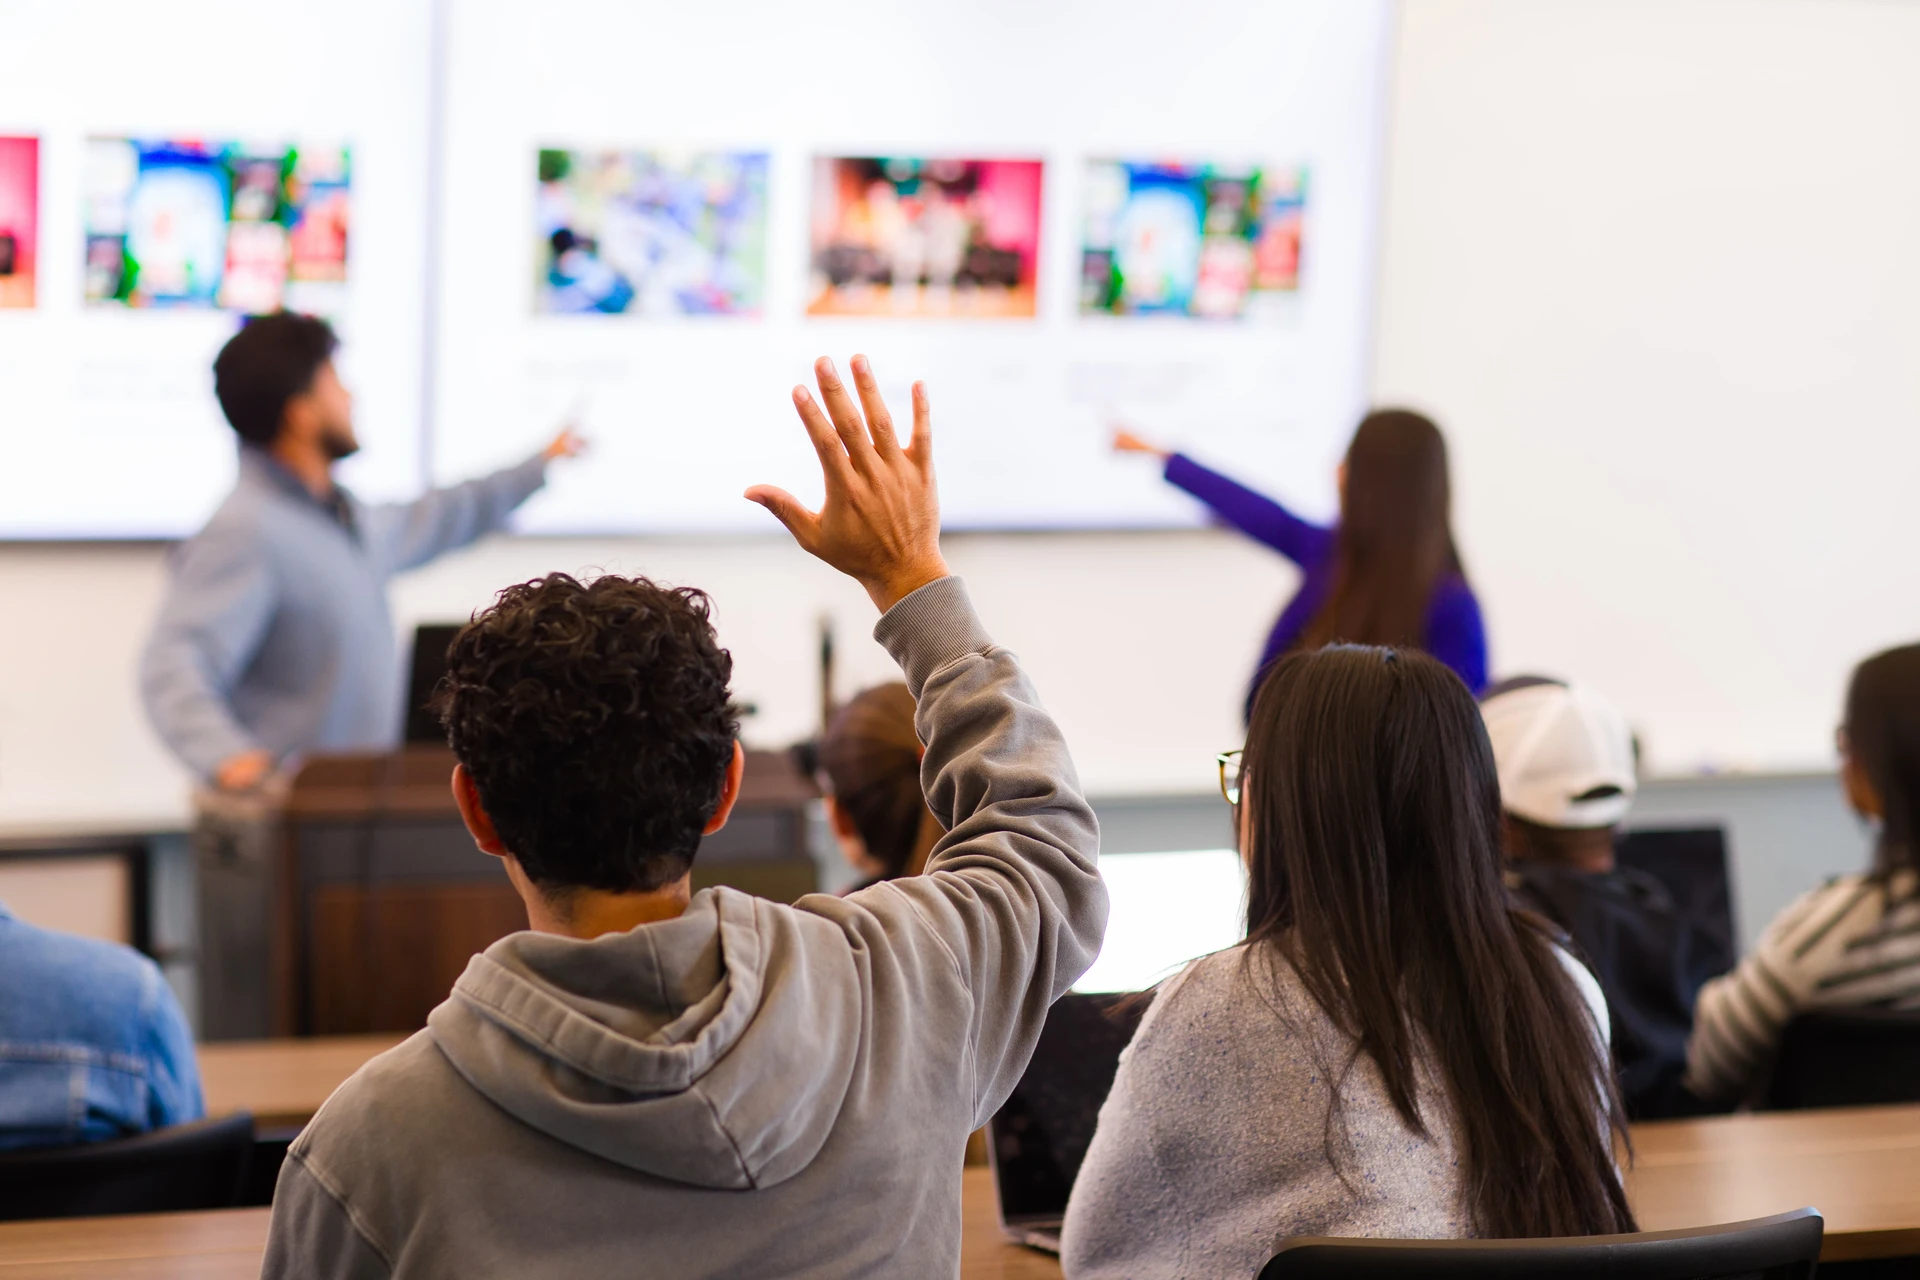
905, 237
651, 232
241, 226
1190, 239
19, 219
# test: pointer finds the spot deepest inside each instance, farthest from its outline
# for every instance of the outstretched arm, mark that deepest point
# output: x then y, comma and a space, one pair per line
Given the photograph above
405, 535
1012, 903
1254, 514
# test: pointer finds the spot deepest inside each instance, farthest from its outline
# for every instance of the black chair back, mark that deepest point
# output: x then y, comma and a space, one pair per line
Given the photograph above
1691, 864
1847, 1058
1783, 1247
202, 1165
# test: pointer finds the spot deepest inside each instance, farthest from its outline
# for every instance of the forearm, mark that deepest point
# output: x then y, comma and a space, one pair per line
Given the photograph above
1254, 514
187, 708
447, 519
1013, 888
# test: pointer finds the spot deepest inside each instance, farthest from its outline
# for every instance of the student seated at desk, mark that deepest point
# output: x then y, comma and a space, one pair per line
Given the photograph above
870, 773
712, 1085
1567, 778
1395, 1050
1853, 942
92, 1042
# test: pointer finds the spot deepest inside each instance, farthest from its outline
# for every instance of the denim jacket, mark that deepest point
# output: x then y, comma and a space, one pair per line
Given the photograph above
92, 1042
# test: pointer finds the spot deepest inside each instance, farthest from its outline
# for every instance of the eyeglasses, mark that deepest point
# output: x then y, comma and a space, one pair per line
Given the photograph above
1231, 769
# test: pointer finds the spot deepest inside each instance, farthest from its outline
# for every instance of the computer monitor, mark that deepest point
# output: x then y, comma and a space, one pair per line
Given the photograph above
430, 644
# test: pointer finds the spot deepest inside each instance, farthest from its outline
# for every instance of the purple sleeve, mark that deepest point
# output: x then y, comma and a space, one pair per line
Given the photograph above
1254, 514
1457, 635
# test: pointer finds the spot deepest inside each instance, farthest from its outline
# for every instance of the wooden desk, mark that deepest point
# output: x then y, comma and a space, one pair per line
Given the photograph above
223, 1245
282, 1082
1860, 1166
229, 1242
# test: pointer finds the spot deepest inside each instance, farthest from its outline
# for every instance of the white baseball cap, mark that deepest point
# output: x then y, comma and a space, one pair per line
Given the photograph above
1565, 757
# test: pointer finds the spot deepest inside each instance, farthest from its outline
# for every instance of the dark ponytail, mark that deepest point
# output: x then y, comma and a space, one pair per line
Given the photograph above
871, 756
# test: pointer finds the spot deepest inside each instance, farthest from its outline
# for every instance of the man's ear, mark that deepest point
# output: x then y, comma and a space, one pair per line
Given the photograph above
728, 793
474, 814
840, 820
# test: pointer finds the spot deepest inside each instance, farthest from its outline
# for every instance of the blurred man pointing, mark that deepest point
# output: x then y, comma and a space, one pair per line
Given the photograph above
275, 638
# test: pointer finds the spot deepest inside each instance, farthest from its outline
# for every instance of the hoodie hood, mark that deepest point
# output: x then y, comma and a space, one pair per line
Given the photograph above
715, 1049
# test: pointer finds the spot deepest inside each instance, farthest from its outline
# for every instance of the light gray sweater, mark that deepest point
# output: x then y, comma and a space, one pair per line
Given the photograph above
1212, 1147
751, 1089
275, 631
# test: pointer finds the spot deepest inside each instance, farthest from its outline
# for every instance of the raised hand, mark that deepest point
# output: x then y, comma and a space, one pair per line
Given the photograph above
880, 523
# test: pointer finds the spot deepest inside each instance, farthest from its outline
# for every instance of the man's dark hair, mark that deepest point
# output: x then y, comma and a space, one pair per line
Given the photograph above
596, 722
270, 361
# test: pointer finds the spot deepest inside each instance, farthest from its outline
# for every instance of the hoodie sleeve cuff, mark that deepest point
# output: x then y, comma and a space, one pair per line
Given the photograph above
930, 628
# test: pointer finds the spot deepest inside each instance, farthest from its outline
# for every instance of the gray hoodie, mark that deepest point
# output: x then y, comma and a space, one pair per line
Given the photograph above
751, 1089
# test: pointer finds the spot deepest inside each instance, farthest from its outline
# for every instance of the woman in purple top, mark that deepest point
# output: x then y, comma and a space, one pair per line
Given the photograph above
1387, 574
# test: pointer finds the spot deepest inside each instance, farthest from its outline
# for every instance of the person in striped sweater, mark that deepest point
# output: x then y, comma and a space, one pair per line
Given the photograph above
1854, 941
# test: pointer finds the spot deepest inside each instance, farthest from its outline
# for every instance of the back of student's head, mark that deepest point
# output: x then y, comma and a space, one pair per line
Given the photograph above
1882, 730
1395, 540
597, 724
270, 361
1374, 868
871, 757
1566, 760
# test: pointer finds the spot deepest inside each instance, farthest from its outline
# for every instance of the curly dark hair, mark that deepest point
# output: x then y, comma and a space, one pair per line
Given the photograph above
596, 722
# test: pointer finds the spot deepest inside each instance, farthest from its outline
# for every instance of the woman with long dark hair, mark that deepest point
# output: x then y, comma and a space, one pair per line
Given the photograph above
1387, 574
1855, 941
1396, 1050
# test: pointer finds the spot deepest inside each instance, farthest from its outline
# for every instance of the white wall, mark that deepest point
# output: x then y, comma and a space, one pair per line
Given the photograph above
1653, 265
1651, 262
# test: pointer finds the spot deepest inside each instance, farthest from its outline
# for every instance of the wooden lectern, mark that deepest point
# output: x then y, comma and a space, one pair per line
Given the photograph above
350, 899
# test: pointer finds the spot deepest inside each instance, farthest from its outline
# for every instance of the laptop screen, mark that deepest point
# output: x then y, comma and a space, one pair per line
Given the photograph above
1040, 1137
1165, 909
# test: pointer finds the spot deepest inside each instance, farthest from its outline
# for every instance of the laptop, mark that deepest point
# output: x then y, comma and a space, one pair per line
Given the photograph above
1164, 910
1038, 1139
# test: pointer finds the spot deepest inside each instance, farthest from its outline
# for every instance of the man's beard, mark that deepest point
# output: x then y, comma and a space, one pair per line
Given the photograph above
338, 443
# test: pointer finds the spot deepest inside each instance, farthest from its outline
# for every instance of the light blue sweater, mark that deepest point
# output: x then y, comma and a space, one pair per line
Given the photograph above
275, 630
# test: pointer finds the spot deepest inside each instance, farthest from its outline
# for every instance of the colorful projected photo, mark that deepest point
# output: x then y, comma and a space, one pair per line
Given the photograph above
19, 219
894, 236
653, 233
1191, 239
247, 227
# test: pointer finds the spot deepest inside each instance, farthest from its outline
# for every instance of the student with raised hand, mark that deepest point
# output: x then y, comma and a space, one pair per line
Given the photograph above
1855, 941
1396, 1050
1387, 574
870, 778
710, 1084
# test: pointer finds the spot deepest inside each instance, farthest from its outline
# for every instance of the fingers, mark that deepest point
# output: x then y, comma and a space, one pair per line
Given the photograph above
921, 451
879, 421
845, 415
826, 440
789, 511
